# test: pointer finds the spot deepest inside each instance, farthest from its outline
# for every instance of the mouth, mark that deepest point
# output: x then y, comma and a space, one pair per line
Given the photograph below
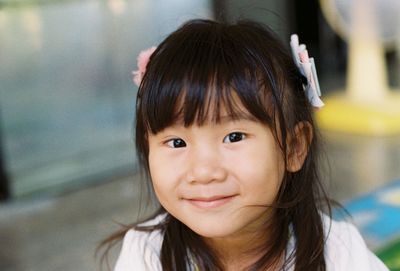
209, 202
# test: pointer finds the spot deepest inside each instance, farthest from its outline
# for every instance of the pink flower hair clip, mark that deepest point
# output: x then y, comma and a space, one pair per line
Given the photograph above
142, 61
306, 66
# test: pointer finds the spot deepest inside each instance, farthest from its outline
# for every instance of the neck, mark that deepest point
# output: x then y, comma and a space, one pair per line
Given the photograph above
236, 254
240, 250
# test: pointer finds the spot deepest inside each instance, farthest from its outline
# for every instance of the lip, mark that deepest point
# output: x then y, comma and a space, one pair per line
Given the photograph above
210, 202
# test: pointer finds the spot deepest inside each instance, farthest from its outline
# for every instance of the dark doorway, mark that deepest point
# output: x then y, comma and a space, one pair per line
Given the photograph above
4, 184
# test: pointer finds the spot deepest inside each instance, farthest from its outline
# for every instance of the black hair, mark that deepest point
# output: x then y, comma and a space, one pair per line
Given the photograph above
205, 66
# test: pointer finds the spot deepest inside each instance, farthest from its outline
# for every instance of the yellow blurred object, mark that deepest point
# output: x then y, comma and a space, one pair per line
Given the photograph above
367, 105
342, 114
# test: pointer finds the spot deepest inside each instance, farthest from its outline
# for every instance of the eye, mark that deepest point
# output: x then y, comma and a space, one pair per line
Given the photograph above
234, 137
176, 143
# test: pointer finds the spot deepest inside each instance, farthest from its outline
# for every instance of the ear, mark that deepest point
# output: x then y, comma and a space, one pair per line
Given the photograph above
298, 143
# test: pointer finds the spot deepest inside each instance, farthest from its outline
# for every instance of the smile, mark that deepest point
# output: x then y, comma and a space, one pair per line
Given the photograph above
210, 202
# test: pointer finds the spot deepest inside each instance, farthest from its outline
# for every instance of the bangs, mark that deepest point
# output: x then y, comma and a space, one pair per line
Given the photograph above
214, 74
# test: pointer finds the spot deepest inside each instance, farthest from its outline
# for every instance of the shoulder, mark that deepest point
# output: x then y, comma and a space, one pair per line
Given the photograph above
345, 249
141, 249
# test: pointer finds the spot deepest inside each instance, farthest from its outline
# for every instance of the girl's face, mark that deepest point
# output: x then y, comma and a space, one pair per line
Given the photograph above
218, 178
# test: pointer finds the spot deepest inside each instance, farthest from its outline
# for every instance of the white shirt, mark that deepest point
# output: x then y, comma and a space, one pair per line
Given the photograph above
345, 249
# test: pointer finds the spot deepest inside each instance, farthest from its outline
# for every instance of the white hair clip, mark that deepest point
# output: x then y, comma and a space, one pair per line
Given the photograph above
306, 66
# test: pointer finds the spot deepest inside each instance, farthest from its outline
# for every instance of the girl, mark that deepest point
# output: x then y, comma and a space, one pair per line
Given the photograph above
225, 132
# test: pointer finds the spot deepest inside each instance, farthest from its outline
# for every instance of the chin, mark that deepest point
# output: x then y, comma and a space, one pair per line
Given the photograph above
212, 231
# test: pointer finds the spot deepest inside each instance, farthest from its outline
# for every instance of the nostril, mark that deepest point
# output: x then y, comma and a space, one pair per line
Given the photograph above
206, 174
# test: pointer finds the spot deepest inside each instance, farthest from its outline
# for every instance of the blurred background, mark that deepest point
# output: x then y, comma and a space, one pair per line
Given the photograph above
68, 172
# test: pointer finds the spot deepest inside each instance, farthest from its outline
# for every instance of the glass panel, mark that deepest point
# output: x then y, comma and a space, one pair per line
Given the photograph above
67, 98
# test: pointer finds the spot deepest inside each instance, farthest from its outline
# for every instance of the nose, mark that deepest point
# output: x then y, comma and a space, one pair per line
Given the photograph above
205, 166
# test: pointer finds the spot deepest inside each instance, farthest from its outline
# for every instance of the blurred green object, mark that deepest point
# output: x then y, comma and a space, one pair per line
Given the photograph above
391, 255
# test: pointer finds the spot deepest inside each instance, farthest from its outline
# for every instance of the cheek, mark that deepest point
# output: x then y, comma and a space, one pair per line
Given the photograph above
156, 168
261, 173
163, 175
160, 185
158, 171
